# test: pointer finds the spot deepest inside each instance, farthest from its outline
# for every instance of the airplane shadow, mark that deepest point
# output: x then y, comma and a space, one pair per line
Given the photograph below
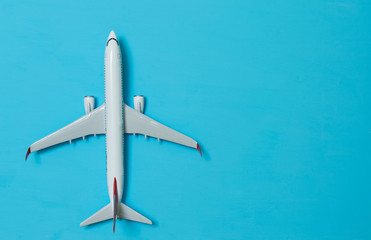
131, 228
126, 61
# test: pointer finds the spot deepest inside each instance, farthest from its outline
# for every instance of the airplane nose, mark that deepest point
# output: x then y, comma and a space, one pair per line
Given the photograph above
112, 36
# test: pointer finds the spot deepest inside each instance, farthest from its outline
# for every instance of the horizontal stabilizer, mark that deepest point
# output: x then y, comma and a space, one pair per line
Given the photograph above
102, 215
130, 214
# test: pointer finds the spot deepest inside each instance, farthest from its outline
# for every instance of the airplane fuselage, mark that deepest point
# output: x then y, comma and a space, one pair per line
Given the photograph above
114, 118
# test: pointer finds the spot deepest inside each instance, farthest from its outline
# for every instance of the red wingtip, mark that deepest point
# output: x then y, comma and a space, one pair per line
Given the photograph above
199, 149
28, 153
114, 223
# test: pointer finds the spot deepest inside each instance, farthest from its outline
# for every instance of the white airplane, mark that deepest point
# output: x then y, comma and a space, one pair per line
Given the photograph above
113, 118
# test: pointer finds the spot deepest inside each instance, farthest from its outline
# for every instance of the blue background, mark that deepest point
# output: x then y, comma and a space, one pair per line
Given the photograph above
276, 92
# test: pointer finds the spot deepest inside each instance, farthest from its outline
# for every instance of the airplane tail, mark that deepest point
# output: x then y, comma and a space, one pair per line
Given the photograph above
115, 210
124, 212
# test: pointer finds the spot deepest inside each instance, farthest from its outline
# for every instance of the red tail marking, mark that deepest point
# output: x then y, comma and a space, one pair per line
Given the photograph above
114, 187
28, 153
115, 203
199, 149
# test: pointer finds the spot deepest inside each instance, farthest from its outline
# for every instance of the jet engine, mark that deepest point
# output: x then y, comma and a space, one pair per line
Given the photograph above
139, 103
89, 104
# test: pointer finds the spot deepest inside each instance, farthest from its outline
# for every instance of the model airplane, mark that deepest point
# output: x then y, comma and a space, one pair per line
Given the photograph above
114, 118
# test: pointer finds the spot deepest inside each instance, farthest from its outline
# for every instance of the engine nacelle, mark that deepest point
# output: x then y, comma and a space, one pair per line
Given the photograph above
139, 103
89, 104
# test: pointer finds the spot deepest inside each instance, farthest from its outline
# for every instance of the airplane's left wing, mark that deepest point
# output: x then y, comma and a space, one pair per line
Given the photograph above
91, 123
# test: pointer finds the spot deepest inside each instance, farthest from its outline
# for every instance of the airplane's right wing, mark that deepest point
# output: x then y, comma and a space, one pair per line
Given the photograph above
138, 123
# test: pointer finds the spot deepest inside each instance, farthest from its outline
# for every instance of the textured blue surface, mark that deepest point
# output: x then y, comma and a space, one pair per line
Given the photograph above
276, 92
